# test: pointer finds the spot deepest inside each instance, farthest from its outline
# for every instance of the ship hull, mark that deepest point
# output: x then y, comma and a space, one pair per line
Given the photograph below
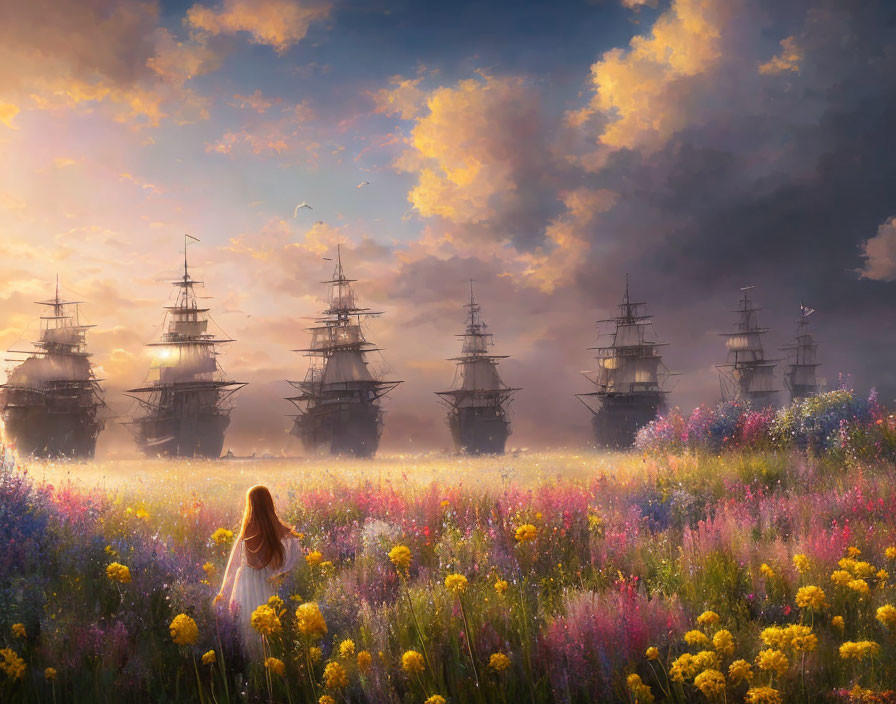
41, 433
617, 419
349, 429
479, 431
200, 436
760, 400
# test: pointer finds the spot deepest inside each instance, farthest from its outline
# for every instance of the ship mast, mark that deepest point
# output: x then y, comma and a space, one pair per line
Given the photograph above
338, 399
477, 381
748, 374
800, 377
185, 407
51, 399
631, 363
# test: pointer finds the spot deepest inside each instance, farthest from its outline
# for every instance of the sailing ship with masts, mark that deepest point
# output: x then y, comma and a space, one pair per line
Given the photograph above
748, 375
800, 378
338, 404
478, 399
629, 379
51, 401
184, 409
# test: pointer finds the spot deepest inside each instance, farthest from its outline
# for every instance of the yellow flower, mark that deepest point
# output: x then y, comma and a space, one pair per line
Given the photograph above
498, 662
723, 642
652, 653
456, 583
860, 586
640, 691
347, 648
209, 658
222, 536
763, 695
801, 638
184, 630
696, 638
841, 577
859, 650
412, 661
708, 618
766, 571
276, 603
706, 659
810, 597
12, 664
400, 556
18, 630
315, 654
882, 576
326, 699
335, 676
264, 620
853, 551
863, 570
500, 586
314, 558
209, 569
310, 621
801, 562
364, 661
890, 552
526, 533
435, 699
50, 673
773, 660
683, 667
886, 614
710, 682
740, 671
116, 572
142, 513
275, 665
837, 622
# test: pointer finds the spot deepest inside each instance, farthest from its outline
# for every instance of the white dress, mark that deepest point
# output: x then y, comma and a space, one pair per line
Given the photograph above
246, 588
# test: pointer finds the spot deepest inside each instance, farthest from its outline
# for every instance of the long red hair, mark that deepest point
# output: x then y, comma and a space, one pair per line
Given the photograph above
262, 530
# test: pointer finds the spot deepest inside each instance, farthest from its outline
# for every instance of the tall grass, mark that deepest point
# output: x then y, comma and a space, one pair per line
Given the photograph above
628, 551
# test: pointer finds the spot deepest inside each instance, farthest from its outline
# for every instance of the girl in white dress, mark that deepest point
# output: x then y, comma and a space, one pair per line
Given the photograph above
264, 549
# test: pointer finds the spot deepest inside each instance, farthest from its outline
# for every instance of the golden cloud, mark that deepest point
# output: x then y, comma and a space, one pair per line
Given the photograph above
788, 60
405, 98
638, 90
275, 23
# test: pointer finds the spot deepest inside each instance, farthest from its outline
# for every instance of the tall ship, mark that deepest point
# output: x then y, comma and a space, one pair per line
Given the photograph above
184, 408
800, 377
51, 402
478, 400
629, 378
338, 403
748, 375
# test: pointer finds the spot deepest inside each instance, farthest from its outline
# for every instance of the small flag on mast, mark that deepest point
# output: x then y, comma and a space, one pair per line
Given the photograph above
806, 311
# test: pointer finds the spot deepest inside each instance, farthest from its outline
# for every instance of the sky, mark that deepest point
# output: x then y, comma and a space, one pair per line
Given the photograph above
542, 149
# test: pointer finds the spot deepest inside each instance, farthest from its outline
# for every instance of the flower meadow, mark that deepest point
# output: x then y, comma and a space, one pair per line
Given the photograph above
755, 574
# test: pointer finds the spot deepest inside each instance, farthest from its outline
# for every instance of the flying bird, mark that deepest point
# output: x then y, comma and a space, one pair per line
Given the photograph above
363, 183
303, 204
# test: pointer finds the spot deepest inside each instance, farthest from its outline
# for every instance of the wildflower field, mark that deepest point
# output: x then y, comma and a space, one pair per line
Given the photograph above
758, 570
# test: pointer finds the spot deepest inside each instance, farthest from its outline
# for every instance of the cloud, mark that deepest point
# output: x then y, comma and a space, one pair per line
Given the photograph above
879, 253
98, 53
7, 112
404, 98
643, 92
276, 23
788, 60
287, 134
